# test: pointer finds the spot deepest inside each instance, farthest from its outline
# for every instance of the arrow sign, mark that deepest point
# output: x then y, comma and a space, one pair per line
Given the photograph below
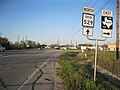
106, 33
87, 31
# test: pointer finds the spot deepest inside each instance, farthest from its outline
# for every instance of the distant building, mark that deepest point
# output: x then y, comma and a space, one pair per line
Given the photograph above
112, 47
90, 48
72, 47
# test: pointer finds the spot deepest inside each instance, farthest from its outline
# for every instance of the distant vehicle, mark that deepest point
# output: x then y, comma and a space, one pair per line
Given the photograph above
57, 47
40, 48
2, 49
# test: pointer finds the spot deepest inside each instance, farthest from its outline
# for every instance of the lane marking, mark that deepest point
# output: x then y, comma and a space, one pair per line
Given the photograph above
28, 79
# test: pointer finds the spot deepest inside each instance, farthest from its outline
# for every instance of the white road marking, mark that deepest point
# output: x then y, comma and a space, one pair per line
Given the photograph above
32, 75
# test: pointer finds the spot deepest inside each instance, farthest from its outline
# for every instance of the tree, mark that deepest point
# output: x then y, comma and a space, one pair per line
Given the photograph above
5, 43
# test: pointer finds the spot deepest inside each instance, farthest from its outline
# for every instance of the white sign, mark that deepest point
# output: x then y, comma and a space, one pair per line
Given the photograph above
88, 20
107, 13
106, 33
87, 31
88, 10
107, 22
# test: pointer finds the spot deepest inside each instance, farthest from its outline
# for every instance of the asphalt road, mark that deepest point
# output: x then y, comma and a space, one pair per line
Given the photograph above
19, 69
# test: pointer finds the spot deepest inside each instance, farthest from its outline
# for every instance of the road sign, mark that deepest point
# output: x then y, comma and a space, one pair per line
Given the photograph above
87, 31
107, 13
107, 22
106, 33
88, 10
87, 20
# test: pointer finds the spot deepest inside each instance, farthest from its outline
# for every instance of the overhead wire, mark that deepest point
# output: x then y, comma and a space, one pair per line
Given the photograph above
89, 3
103, 6
75, 23
77, 19
94, 3
78, 15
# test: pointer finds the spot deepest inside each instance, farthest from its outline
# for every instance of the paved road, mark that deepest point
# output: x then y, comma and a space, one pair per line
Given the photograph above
19, 69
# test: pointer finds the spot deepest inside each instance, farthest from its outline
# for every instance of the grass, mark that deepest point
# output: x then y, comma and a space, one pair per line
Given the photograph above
106, 59
78, 76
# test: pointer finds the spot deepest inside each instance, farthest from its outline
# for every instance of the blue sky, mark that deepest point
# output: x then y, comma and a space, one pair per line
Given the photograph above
44, 21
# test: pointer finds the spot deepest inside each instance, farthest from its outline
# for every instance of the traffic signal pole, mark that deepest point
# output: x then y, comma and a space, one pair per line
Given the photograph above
117, 29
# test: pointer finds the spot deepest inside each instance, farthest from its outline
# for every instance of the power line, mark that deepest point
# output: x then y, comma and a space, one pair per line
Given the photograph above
72, 35
76, 20
94, 3
95, 14
79, 14
103, 7
88, 3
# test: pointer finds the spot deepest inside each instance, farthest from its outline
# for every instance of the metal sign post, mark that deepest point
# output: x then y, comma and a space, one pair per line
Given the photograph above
96, 51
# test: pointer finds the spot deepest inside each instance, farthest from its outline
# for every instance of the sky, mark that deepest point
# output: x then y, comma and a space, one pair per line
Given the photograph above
47, 21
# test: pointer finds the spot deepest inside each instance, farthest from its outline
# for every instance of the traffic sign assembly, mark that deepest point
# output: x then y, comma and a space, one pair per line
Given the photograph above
88, 25
87, 20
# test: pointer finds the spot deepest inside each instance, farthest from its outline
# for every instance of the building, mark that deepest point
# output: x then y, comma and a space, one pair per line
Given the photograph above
112, 47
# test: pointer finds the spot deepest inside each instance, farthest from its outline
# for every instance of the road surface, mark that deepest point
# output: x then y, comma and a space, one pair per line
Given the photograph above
21, 70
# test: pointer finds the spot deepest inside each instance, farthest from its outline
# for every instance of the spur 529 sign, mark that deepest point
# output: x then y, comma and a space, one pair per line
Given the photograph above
88, 20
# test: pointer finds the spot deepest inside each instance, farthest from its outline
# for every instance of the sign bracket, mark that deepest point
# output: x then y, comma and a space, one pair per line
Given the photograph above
96, 39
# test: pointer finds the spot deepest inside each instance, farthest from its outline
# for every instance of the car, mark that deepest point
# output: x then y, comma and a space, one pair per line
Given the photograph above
2, 49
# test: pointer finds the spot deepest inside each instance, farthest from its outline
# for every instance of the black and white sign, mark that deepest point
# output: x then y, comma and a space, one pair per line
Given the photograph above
87, 31
88, 10
106, 33
107, 22
107, 13
87, 20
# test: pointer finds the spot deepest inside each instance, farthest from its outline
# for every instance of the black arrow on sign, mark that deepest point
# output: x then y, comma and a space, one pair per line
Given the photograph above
87, 31
107, 33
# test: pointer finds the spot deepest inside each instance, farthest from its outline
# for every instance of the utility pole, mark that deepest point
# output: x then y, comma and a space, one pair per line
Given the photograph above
26, 39
76, 43
71, 42
58, 41
18, 38
0, 34
117, 29
23, 39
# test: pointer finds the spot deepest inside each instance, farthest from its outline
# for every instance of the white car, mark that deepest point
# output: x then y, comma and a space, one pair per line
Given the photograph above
2, 49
